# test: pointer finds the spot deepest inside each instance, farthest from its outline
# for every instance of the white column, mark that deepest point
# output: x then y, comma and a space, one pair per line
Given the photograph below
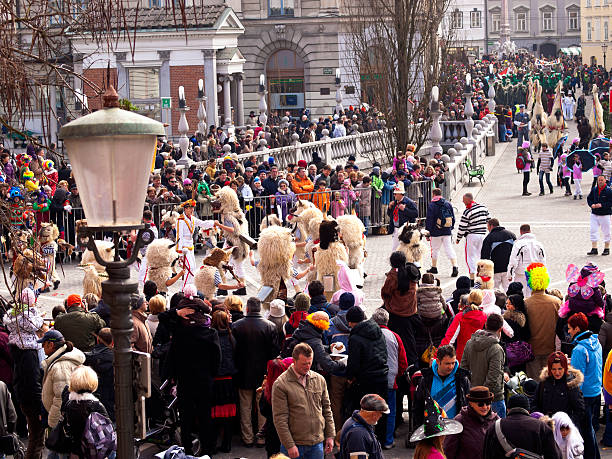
210, 75
239, 99
227, 97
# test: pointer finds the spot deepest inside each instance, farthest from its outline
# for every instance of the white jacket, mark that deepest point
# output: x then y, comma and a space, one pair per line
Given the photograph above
526, 250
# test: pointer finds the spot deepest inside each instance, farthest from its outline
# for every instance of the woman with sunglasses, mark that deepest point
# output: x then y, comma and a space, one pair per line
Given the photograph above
476, 418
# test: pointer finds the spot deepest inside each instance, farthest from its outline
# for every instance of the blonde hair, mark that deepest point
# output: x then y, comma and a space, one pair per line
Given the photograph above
91, 300
83, 379
233, 303
63, 183
157, 304
475, 297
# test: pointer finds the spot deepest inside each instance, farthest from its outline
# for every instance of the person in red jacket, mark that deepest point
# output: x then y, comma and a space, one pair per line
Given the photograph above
465, 323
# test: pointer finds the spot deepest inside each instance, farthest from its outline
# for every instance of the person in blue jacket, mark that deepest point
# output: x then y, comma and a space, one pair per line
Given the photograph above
586, 357
357, 435
401, 210
440, 222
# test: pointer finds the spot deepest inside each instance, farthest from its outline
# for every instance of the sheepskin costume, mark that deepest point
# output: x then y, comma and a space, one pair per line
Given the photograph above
530, 96
555, 122
270, 220
596, 117
351, 233
233, 216
92, 282
161, 255
47, 235
330, 250
204, 279
485, 270
307, 218
411, 243
276, 249
28, 267
106, 249
538, 119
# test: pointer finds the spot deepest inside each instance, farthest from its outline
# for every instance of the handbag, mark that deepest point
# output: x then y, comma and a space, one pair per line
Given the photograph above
59, 439
518, 353
10, 442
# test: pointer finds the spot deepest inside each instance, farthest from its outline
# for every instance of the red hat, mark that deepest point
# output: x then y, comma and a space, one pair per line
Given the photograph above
73, 300
302, 163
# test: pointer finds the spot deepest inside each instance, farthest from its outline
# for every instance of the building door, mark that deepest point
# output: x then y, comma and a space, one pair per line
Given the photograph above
548, 50
285, 76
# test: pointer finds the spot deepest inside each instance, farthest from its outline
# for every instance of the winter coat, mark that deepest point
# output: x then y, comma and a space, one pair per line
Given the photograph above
497, 247
358, 436
484, 357
79, 326
542, 312
563, 394
26, 376
338, 332
396, 356
431, 331
101, 359
462, 327
141, 339
397, 219
301, 186
7, 423
103, 310
518, 323
313, 336
462, 389
526, 250
586, 357
6, 361
434, 212
605, 335
57, 369
78, 407
256, 343
22, 327
463, 286
367, 359
395, 303
469, 444
603, 197
430, 301
365, 201
522, 431
228, 353
302, 415
319, 303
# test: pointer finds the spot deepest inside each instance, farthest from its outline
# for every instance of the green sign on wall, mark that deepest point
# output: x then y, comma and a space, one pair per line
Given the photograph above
166, 102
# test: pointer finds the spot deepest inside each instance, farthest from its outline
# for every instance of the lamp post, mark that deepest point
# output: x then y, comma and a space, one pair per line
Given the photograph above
469, 109
99, 147
604, 48
183, 128
263, 106
201, 109
436, 129
339, 107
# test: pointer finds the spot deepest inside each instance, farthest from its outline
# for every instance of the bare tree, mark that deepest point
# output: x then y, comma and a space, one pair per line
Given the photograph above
395, 53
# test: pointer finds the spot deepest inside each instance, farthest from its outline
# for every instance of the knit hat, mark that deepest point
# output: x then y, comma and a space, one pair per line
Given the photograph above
347, 301
302, 302
277, 308
515, 288
518, 401
302, 163
73, 300
281, 181
355, 314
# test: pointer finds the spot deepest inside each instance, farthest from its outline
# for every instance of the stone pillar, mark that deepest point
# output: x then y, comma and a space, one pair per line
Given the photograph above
239, 77
164, 88
123, 88
210, 75
227, 97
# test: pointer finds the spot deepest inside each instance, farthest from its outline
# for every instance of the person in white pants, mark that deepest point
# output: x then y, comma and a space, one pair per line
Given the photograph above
440, 222
473, 225
526, 250
600, 202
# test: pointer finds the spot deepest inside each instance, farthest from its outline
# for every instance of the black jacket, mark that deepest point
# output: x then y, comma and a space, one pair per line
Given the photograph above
561, 395
27, 376
409, 214
228, 354
319, 303
367, 355
77, 411
322, 362
256, 343
497, 246
101, 359
462, 388
604, 198
518, 322
358, 436
522, 431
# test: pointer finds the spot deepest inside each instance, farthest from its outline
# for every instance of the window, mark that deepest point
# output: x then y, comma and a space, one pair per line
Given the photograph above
547, 20
573, 18
475, 19
496, 21
144, 83
605, 31
521, 22
589, 32
280, 7
588, 3
457, 19
154, 3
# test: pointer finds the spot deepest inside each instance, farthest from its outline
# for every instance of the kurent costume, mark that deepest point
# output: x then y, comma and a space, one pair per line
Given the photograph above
47, 236
210, 274
185, 227
330, 250
141, 266
159, 259
276, 249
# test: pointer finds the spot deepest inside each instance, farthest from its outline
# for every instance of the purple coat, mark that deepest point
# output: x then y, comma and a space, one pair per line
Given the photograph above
470, 443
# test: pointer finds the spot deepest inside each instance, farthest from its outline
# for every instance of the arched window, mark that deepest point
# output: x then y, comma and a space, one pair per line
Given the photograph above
285, 76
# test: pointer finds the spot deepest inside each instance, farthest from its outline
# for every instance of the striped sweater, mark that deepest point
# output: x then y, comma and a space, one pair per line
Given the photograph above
473, 221
546, 161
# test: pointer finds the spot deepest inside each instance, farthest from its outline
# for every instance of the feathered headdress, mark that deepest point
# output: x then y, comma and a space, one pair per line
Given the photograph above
188, 203
537, 276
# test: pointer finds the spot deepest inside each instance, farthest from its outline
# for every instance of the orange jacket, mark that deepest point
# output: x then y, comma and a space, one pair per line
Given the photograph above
322, 200
300, 186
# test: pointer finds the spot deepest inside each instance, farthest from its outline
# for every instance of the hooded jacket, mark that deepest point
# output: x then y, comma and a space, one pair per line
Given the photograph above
58, 368
526, 250
469, 444
462, 327
484, 357
395, 303
101, 359
78, 326
553, 395
497, 247
587, 358
367, 359
313, 336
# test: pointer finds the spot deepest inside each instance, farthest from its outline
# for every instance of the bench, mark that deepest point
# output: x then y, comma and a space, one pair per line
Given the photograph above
474, 171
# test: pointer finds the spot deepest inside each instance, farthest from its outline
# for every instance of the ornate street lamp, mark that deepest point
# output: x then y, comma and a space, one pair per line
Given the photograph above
604, 48
339, 107
436, 129
111, 151
469, 109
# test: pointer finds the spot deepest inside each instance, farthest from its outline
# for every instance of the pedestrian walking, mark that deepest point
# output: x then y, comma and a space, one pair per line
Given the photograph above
440, 222
497, 247
473, 225
525, 251
545, 167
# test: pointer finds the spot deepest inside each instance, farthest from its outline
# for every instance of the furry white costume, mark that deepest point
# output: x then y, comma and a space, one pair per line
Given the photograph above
555, 122
106, 249
160, 257
47, 235
330, 250
538, 119
351, 231
530, 96
485, 272
276, 249
306, 218
596, 117
411, 243
185, 226
205, 276
92, 282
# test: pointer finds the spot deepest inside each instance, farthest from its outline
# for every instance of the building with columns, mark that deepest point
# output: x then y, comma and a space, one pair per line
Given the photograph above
596, 30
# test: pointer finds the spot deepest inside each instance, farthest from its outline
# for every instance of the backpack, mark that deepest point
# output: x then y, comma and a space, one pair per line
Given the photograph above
511, 451
520, 161
445, 216
99, 436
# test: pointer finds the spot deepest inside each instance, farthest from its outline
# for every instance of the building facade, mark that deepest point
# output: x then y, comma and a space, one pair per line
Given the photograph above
542, 27
465, 25
596, 16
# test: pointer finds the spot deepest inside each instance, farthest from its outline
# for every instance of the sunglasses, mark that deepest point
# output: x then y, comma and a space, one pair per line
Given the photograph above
481, 404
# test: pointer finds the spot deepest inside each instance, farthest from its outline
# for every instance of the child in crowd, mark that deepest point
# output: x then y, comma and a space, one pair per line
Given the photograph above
338, 206
567, 436
577, 174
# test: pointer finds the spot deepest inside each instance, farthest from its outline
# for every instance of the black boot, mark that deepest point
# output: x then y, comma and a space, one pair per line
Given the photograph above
455, 272
56, 284
221, 292
592, 252
433, 270
606, 252
241, 291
